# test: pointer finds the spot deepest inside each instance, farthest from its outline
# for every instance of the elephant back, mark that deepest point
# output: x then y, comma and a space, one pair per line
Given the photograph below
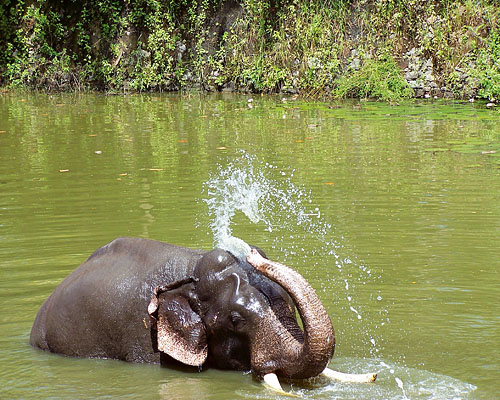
100, 309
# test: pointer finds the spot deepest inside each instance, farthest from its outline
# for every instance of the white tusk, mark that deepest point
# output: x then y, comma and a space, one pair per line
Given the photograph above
340, 376
271, 380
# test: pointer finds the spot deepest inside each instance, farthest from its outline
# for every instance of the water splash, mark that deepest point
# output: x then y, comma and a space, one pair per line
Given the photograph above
246, 186
233, 189
401, 386
284, 217
395, 382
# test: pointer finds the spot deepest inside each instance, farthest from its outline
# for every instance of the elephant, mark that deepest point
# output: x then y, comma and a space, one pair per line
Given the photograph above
146, 301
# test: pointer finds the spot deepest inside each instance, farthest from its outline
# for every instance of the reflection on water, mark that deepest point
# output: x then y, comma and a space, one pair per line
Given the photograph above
399, 236
145, 205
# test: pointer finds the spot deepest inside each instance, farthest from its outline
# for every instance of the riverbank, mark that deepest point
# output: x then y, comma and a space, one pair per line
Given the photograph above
380, 49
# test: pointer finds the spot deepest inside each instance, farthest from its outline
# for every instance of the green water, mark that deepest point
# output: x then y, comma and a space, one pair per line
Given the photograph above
409, 269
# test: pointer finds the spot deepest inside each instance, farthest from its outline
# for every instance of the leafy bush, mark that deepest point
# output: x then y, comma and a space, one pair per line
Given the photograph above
486, 72
378, 78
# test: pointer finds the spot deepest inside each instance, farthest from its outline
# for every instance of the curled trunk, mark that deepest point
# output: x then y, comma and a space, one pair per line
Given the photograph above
312, 356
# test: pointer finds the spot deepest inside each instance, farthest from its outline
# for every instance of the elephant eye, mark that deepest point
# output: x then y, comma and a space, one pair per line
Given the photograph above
236, 318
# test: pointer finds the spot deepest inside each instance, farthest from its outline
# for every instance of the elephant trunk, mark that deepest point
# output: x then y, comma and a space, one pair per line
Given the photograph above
312, 356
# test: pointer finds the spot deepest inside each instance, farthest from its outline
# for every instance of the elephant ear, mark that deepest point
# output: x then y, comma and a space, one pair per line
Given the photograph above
175, 328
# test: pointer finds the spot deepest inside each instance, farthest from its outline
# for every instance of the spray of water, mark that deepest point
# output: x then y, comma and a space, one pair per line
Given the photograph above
247, 186
285, 221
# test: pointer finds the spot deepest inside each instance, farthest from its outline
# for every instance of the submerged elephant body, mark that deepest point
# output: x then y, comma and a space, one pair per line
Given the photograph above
141, 300
100, 309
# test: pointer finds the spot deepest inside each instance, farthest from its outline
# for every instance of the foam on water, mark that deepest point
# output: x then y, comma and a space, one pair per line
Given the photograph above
394, 382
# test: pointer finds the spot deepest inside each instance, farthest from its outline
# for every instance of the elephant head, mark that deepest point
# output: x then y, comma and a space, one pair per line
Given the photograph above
232, 316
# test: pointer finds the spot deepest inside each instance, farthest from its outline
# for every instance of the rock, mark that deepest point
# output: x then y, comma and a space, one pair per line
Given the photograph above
181, 48
355, 64
436, 92
144, 54
314, 63
411, 75
228, 87
289, 90
418, 84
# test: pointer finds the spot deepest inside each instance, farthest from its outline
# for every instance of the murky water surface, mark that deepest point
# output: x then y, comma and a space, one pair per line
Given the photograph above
392, 214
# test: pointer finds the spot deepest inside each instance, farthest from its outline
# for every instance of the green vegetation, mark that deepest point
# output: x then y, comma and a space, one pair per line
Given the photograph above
385, 49
377, 77
486, 75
